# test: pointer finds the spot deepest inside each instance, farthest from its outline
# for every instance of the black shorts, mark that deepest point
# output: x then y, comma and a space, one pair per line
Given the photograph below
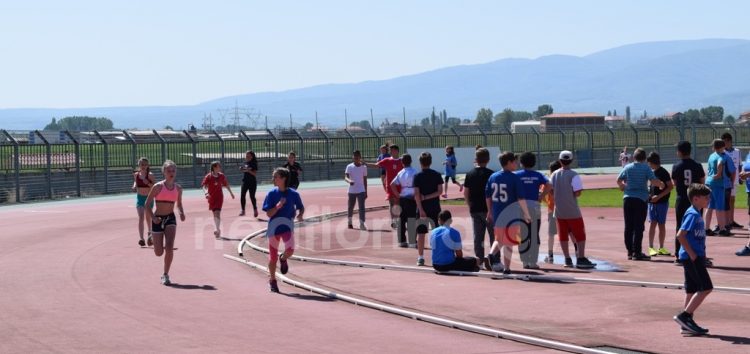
166, 220
696, 276
430, 221
727, 195
449, 177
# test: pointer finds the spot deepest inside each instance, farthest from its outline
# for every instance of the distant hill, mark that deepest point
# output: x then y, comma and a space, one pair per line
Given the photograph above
658, 77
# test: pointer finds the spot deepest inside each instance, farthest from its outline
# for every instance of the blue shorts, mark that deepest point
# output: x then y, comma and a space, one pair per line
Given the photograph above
658, 212
717, 199
140, 201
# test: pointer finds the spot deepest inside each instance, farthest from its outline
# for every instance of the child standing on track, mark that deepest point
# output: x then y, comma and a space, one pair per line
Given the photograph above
281, 205
294, 168
167, 194
692, 237
658, 206
405, 182
532, 183
249, 181
633, 180
504, 197
450, 169
684, 173
447, 252
734, 158
716, 174
427, 187
474, 185
356, 176
551, 220
392, 166
383, 154
212, 185
143, 180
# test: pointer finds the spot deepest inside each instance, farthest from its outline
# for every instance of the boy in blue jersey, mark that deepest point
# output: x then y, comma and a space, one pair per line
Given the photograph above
505, 205
447, 252
692, 237
281, 205
715, 179
532, 182
633, 180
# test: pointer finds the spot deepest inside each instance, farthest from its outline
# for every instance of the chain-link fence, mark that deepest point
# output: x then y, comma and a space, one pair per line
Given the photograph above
49, 165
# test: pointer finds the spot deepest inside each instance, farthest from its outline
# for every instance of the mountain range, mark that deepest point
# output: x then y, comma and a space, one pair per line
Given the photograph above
657, 77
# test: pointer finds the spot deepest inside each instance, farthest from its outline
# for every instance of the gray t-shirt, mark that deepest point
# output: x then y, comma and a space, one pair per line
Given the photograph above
564, 184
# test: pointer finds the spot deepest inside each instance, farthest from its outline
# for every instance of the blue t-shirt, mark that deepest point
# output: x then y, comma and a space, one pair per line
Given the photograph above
693, 223
505, 189
531, 181
746, 168
713, 164
637, 175
283, 220
450, 165
729, 168
444, 241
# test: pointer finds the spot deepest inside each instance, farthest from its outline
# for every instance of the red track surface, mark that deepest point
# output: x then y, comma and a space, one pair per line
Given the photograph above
75, 280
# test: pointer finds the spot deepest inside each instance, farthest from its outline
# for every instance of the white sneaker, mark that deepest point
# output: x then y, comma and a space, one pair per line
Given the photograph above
498, 268
165, 280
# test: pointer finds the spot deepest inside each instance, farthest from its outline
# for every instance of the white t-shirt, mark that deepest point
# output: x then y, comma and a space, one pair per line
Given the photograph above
357, 174
624, 159
735, 155
405, 179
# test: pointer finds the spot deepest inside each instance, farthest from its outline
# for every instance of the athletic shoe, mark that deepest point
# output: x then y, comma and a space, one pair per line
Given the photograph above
403, 244
641, 257
242, 213
498, 268
460, 187
568, 262
584, 263
716, 229
703, 330
165, 279
362, 227
664, 252
652, 252
487, 265
506, 271
630, 256
274, 286
725, 233
420, 261
745, 251
686, 323
709, 262
445, 195
531, 266
350, 226
710, 232
677, 262
394, 225
150, 240
141, 243
550, 258
735, 225
255, 213
284, 265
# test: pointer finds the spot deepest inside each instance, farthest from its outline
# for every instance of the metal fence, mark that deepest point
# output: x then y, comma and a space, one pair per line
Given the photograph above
38, 165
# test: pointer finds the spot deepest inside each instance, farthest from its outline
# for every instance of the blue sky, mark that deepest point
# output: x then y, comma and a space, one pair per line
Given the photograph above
78, 53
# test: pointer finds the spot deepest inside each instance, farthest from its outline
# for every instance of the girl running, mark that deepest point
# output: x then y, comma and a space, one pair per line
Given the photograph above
249, 182
166, 193
450, 170
212, 185
281, 205
143, 179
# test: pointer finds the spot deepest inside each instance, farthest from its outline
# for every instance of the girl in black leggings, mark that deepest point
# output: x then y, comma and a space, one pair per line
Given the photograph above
249, 183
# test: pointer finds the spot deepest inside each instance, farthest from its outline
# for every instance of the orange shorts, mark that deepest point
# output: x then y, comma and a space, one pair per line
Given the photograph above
509, 235
572, 226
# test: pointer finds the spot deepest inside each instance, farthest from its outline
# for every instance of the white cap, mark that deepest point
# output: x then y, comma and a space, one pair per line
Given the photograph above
566, 155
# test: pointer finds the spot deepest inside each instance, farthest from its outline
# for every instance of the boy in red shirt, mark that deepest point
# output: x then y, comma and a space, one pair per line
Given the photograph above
392, 166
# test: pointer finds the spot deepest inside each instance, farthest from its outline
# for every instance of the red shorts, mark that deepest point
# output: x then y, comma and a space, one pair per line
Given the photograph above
508, 236
215, 203
573, 226
273, 244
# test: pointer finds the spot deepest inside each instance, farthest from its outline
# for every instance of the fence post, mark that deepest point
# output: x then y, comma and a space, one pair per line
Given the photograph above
484, 136
429, 136
17, 163
658, 137
612, 145
635, 132
163, 145
78, 162
194, 152
734, 134
247, 138
695, 138
589, 144
301, 145
354, 141
562, 134
379, 140
327, 152
458, 137
405, 148
106, 161
221, 145
48, 152
133, 148
275, 143
538, 142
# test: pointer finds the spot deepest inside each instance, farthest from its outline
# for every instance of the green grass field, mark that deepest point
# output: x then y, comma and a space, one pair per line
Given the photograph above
612, 198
